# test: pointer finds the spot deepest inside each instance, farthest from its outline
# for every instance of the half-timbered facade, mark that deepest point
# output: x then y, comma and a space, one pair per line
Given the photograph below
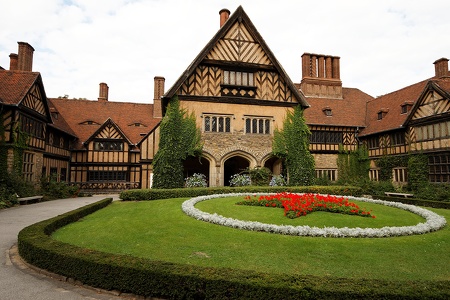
239, 94
411, 120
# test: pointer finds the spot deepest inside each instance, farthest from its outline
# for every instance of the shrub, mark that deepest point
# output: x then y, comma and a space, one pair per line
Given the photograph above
277, 180
196, 180
240, 180
259, 176
53, 189
12, 186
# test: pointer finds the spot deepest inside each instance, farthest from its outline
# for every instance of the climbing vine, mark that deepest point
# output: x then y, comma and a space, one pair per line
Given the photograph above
387, 163
179, 139
292, 144
353, 166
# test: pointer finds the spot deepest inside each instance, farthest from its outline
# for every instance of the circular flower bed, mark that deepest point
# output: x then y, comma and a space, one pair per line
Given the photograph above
433, 221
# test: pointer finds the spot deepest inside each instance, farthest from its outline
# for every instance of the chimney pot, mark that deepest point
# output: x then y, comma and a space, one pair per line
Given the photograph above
224, 15
441, 67
13, 61
103, 94
25, 57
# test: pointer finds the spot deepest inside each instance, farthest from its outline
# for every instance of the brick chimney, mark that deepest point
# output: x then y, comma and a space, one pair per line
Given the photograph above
321, 76
158, 93
13, 61
25, 57
441, 67
224, 15
103, 94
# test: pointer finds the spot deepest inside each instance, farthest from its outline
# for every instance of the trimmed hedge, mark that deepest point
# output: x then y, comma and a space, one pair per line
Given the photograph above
416, 201
178, 281
157, 194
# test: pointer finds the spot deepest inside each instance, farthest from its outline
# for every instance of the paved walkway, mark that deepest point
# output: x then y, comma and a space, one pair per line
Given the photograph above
17, 281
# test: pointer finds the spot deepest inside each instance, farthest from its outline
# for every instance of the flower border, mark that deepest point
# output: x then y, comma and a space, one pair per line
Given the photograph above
433, 221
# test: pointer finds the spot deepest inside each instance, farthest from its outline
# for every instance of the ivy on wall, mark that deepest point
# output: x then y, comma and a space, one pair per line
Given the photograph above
292, 144
387, 163
353, 166
3, 149
179, 139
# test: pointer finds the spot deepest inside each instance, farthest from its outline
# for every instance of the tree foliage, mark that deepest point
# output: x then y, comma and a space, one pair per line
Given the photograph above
179, 139
292, 144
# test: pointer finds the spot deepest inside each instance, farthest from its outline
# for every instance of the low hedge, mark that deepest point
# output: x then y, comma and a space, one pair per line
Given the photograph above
156, 194
416, 201
149, 278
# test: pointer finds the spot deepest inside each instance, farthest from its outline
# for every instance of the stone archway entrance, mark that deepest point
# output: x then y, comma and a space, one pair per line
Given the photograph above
234, 165
196, 165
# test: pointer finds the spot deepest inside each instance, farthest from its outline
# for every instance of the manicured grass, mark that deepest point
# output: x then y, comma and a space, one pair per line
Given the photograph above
159, 230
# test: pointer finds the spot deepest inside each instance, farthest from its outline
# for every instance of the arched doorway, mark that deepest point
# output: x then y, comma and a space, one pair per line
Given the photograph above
276, 165
234, 165
196, 165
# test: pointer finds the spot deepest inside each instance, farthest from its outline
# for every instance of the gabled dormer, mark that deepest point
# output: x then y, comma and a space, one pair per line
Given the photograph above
109, 137
238, 67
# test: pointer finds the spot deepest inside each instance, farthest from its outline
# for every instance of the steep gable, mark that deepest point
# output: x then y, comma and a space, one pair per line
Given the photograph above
433, 102
25, 89
237, 66
109, 130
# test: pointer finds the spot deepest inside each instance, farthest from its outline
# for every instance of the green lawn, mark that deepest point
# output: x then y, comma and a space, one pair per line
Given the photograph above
159, 230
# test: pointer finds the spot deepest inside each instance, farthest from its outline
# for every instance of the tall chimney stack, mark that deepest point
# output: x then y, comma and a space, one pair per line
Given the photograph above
441, 67
321, 76
224, 15
103, 94
158, 93
25, 57
13, 61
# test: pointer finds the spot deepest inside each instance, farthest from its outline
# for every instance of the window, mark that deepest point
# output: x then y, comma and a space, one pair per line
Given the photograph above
107, 176
439, 167
373, 143
108, 145
406, 107
32, 127
329, 174
374, 174
327, 111
398, 138
433, 131
326, 137
238, 78
400, 175
63, 176
28, 166
257, 125
382, 113
217, 123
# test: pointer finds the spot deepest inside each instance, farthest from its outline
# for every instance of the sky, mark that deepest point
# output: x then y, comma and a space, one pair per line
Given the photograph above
383, 45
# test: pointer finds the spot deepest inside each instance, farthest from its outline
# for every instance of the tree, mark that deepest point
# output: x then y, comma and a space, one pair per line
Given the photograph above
292, 144
179, 139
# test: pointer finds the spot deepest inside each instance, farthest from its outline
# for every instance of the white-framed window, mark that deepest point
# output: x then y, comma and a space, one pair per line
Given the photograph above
238, 78
330, 174
374, 174
217, 123
257, 125
400, 175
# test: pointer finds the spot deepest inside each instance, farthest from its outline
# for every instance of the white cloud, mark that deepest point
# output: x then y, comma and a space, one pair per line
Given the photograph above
384, 45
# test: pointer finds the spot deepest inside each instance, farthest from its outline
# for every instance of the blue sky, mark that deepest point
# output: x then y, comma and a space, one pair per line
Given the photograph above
384, 45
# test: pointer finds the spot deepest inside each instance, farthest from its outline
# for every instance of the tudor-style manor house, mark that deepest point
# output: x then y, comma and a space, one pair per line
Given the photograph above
239, 94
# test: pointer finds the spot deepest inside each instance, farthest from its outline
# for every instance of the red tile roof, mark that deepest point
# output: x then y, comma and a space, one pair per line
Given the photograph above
391, 104
348, 111
125, 115
14, 85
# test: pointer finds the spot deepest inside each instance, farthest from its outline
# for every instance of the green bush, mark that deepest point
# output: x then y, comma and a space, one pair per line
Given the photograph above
149, 278
260, 176
52, 189
155, 194
13, 186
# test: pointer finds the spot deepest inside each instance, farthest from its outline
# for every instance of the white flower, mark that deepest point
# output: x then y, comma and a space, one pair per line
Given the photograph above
433, 221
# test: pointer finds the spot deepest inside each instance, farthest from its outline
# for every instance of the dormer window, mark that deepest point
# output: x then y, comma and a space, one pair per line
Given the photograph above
137, 124
327, 111
382, 113
406, 107
89, 122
